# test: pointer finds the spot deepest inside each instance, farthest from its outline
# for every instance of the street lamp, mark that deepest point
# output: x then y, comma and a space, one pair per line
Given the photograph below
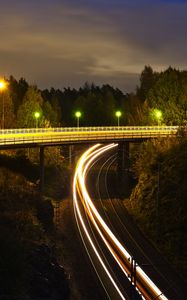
78, 115
158, 115
118, 115
36, 115
3, 86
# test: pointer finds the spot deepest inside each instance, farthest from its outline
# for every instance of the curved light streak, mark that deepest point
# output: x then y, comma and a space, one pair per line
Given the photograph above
76, 206
117, 250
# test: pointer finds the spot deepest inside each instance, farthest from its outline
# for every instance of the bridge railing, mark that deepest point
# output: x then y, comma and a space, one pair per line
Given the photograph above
47, 136
87, 129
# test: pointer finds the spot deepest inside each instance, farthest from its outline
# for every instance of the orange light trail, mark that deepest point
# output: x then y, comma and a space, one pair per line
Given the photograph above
117, 250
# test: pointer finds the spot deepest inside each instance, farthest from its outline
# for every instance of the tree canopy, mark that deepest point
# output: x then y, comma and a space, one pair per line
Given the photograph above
165, 91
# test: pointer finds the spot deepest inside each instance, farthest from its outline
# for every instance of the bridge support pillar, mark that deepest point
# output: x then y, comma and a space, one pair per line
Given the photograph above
41, 186
70, 155
123, 169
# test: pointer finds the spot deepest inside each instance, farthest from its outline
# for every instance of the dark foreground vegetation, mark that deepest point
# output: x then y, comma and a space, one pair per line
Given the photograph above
29, 265
158, 201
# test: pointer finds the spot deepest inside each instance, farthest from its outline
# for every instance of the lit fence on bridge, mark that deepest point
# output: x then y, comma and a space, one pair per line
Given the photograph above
50, 136
81, 129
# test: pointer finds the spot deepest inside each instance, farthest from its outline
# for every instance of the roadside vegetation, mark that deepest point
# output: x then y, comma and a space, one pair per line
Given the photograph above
158, 201
30, 267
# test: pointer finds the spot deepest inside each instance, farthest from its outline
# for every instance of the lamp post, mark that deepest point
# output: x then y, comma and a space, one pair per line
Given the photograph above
118, 115
36, 115
158, 115
3, 86
78, 115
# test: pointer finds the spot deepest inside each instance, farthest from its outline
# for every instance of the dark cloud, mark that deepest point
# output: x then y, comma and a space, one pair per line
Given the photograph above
69, 42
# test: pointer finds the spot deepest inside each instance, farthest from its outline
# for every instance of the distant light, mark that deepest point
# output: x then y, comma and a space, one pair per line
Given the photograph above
3, 84
118, 113
158, 113
37, 114
78, 114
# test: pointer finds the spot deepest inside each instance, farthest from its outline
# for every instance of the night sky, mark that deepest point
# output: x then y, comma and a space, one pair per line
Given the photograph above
63, 43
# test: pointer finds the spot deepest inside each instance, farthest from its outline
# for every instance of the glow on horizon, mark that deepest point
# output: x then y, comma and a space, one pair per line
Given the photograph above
66, 44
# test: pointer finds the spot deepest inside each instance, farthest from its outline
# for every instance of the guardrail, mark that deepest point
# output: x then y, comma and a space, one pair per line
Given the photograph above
34, 136
81, 129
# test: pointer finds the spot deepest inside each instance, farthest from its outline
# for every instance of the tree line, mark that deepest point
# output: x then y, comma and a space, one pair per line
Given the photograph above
165, 91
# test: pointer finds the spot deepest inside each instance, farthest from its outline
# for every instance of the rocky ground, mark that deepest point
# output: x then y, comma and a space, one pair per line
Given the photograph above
48, 279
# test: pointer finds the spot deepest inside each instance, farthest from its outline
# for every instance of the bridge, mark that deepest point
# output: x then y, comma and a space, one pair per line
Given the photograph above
36, 137
123, 135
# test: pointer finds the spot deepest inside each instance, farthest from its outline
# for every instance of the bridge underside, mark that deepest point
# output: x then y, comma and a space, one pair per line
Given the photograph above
61, 143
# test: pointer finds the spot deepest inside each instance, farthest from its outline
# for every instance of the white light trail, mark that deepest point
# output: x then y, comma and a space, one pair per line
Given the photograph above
102, 228
89, 237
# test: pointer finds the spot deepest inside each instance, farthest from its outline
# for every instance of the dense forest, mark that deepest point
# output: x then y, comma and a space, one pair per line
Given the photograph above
158, 198
165, 91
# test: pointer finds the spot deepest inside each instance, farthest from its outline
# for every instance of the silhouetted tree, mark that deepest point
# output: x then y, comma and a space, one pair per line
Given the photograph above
32, 102
169, 94
7, 109
17, 91
147, 80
